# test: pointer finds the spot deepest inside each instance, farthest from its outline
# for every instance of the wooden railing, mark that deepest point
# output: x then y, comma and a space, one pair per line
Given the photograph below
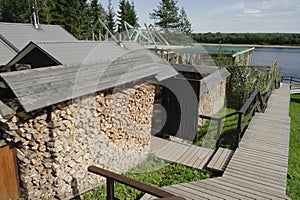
291, 80
254, 103
111, 177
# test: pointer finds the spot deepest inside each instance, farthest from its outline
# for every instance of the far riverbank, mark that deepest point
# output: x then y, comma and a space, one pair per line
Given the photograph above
249, 45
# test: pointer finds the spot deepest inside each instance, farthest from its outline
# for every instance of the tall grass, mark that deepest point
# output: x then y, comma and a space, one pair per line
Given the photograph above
293, 183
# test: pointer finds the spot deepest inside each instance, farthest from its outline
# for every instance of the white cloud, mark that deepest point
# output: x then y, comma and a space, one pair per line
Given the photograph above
252, 12
278, 4
228, 8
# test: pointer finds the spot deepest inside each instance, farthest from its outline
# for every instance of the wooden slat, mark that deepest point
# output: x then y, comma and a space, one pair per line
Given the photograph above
186, 154
220, 159
9, 186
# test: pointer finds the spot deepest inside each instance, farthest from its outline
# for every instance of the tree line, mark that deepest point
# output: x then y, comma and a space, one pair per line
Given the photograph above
79, 16
248, 38
76, 16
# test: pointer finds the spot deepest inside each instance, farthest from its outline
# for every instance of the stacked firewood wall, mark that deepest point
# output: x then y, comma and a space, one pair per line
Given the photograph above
55, 145
212, 101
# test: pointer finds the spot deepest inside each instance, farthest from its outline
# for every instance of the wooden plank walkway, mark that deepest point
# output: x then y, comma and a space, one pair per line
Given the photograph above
186, 154
258, 168
220, 160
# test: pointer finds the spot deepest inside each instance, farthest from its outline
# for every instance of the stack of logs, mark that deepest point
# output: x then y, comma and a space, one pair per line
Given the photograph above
55, 145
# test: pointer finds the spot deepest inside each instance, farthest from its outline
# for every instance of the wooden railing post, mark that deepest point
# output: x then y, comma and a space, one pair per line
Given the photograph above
239, 129
219, 127
110, 189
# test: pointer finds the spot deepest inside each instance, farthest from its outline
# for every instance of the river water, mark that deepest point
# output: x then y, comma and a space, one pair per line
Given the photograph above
288, 59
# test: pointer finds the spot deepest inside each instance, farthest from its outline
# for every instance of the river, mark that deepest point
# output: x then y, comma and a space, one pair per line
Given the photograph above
288, 59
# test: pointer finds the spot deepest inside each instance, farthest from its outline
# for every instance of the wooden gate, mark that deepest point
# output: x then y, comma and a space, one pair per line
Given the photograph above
9, 185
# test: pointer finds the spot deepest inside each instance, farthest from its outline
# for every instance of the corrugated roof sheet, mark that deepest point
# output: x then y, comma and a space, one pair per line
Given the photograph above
6, 53
41, 87
20, 34
84, 52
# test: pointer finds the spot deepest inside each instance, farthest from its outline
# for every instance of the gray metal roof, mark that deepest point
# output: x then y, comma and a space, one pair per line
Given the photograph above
20, 34
82, 52
210, 81
41, 87
204, 70
6, 53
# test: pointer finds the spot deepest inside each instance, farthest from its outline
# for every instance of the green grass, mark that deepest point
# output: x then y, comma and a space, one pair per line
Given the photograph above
207, 134
154, 172
293, 183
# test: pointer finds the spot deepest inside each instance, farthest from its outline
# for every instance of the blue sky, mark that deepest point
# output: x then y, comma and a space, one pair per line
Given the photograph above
231, 15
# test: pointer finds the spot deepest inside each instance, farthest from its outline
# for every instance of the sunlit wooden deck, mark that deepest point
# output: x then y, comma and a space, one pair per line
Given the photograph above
186, 154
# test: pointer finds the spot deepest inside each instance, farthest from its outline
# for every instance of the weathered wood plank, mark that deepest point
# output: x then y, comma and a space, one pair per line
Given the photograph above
220, 159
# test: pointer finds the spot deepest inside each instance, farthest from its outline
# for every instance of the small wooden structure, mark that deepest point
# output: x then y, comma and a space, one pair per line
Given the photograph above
181, 98
78, 95
205, 54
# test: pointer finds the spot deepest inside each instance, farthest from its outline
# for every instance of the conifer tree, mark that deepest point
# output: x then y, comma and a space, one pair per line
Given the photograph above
82, 19
185, 25
121, 15
132, 15
126, 13
59, 12
43, 9
15, 11
166, 14
96, 11
111, 23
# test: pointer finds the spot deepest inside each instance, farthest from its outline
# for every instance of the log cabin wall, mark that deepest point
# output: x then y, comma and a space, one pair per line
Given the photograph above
55, 145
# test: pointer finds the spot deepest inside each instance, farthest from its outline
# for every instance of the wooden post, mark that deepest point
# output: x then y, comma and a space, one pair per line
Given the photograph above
110, 189
9, 185
239, 129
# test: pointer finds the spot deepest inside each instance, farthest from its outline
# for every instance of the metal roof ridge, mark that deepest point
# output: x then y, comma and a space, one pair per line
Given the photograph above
8, 43
72, 41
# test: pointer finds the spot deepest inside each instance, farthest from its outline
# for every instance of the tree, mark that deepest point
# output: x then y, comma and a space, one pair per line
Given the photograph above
82, 22
43, 9
111, 23
96, 11
132, 15
126, 13
59, 13
166, 14
185, 25
15, 11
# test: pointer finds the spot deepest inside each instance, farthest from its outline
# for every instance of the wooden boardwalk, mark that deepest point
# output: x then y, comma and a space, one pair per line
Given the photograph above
220, 160
295, 89
186, 154
258, 168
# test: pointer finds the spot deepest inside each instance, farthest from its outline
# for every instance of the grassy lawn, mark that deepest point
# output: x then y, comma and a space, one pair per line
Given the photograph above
293, 183
207, 134
154, 172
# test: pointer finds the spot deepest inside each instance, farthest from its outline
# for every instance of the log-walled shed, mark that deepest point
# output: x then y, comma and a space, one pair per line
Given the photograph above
93, 108
82, 103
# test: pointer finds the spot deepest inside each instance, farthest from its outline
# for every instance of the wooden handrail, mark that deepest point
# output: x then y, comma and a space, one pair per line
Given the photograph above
291, 79
248, 103
111, 177
256, 100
